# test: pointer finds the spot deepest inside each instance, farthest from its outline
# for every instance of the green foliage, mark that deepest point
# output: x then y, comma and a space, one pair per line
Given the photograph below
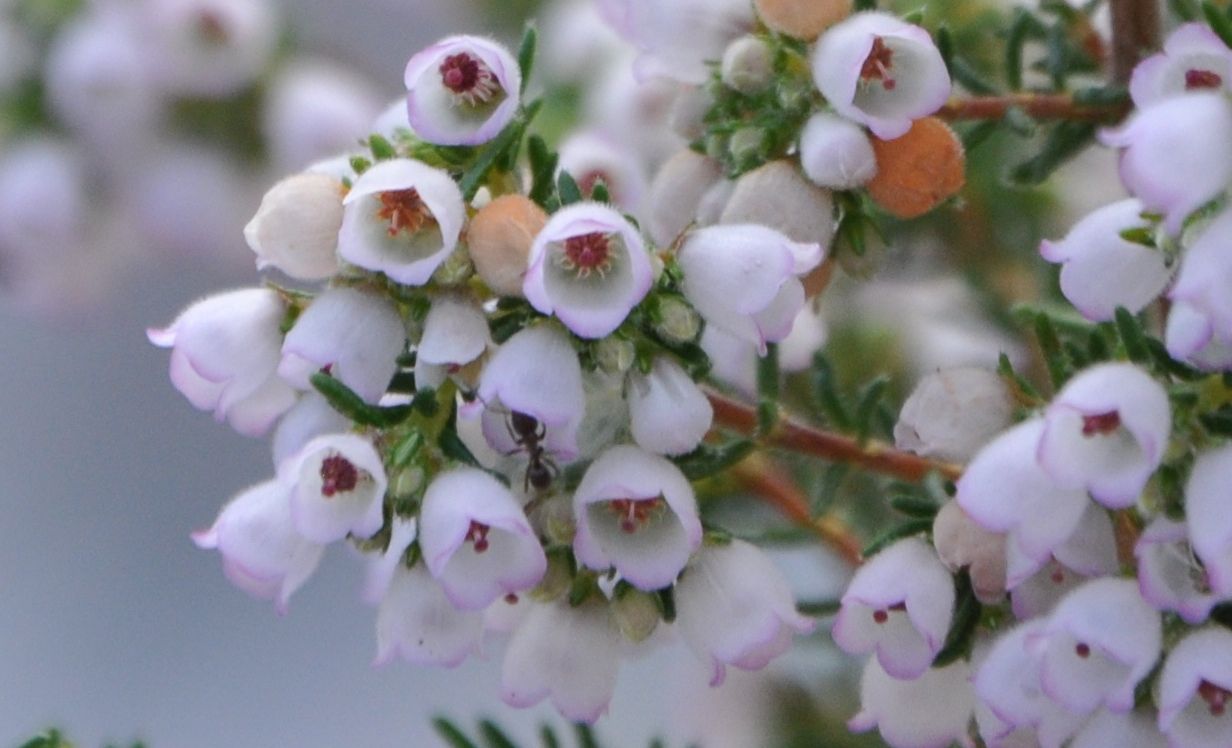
961, 637
344, 400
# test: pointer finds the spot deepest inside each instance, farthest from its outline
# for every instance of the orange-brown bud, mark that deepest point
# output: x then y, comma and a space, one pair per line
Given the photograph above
499, 239
803, 19
917, 172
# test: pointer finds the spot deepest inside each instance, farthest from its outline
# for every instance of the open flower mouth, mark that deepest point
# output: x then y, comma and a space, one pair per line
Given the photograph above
1202, 79
634, 514
469, 79
586, 254
1101, 424
879, 66
338, 475
404, 211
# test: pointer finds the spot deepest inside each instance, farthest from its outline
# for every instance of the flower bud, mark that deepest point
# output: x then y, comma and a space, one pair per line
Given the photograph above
918, 171
778, 196
676, 194
952, 413
296, 227
746, 66
615, 355
803, 19
635, 613
678, 322
836, 152
499, 240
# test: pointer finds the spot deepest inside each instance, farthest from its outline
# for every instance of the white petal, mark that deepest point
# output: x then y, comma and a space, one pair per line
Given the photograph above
326, 504
836, 153
1208, 518
455, 332
931, 711
668, 412
417, 622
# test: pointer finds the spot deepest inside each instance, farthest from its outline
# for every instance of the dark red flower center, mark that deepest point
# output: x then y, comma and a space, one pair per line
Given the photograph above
211, 29
634, 513
477, 534
337, 475
1083, 650
1216, 698
588, 253
1202, 79
404, 210
468, 78
881, 616
1101, 423
879, 64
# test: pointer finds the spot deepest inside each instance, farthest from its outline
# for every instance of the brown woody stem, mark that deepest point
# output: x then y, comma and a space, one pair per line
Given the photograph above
797, 437
1135, 29
1038, 106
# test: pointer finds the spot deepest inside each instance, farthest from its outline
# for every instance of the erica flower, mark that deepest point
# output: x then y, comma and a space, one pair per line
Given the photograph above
402, 218
262, 553
462, 90
1106, 432
590, 158
381, 568
676, 193
1169, 575
1101, 271
951, 413
1191, 337
339, 484
418, 623
677, 39
476, 540
880, 71
931, 711
836, 153
1208, 518
636, 512
211, 48
567, 654
1196, 690
668, 412
1090, 551
310, 417
455, 333
354, 335
296, 227
899, 604
1194, 59
742, 279
962, 544
734, 607
535, 373
1202, 286
589, 267
225, 354
1175, 155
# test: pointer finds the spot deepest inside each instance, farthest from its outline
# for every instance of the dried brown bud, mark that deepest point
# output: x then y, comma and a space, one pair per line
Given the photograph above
917, 172
803, 19
499, 239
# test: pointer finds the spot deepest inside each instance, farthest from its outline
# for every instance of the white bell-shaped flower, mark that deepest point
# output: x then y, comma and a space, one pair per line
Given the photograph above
296, 227
1190, 337
462, 90
1203, 282
776, 195
339, 484
931, 711
899, 604
416, 622
1169, 575
590, 157
455, 333
315, 109
262, 553
1208, 519
569, 655
1195, 691
836, 152
1089, 552
743, 279
589, 267
1100, 271
678, 39
636, 512
208, 48
952, 413
1106, 432
402, 218
1194, 58
476, 539
381, 568
1176, 154
962, 543
1097, 645
734, 607
224, 357
880, 71
354, 335
676, 193
535, 373
668, 412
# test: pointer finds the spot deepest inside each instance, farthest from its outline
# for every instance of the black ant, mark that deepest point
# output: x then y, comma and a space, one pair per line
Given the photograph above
528, 433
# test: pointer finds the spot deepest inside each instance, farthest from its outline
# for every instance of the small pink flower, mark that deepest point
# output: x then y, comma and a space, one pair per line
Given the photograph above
836, 153
224, 357
1097, 645
455, 333
1176, 154
899, 604
743, 279
1208, 518
339, 484
734, 607
1089, 552
1194, 59
931, 711
207, 48
402, 218
590, 158
880, 71
1195, 691
567, 654
1101, 271
636, 512
418, 623
1203, 282
354, 335
668, 412
951, 413
1106, 432
1169, 576
476, 539
462, 90
262, 553
589, 267
962, 544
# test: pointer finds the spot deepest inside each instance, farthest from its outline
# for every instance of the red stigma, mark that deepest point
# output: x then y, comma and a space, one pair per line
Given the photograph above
1101, 423
211, 28
337, 474
880, 616
478, 535
588, 252
878, 64
1082, 650
404, 210
1216, 698
511, 598
1202, 79
460, 72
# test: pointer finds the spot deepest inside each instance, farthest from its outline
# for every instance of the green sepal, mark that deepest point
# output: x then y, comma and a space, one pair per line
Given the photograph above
707, 460
526, 54
967, 610
344, 400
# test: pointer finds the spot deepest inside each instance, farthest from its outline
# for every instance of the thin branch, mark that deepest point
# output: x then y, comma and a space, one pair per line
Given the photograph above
767, 480
797, 437
1135, 29
1038, 106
